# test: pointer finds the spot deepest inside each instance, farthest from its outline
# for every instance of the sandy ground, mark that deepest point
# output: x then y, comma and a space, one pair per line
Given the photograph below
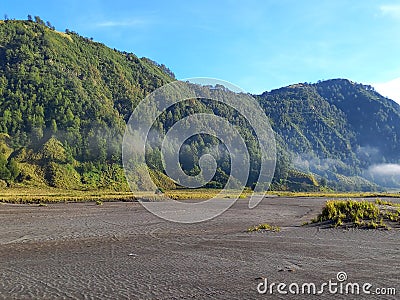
121, 251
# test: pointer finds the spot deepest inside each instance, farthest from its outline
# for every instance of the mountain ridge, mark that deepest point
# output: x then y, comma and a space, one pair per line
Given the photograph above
359, 125
63, 93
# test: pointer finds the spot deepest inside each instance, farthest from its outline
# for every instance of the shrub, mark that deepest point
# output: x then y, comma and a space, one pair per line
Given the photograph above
4, 171
265, 227
62, 175
357, 213
53, 150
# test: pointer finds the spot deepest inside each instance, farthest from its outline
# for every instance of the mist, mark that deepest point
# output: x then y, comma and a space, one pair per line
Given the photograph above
385, 170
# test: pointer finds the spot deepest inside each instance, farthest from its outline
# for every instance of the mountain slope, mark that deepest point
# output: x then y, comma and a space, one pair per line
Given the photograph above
64, 101
67, 86
51, 81
374, 119
335, 127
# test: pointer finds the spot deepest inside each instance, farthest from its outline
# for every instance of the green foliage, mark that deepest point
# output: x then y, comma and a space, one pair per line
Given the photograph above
299, 181
46, 194
362, 214
264, 227
352, 183
4, 148
392, 216
62, 176
373, 118
52, 83
4, 171
64, 101
308, 123
379, 201
13, 168
53, 150
162, 181
32, 174
78, 93
9, 169
335, 129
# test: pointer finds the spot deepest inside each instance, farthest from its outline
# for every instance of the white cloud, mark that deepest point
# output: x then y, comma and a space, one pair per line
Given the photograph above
390, 10
390, 89
385, 169
122, 23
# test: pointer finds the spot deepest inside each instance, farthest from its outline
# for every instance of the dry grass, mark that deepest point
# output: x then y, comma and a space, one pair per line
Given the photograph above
264, 227
335, 194
49, 195
53, 195
361, 214
185, 194
67, 36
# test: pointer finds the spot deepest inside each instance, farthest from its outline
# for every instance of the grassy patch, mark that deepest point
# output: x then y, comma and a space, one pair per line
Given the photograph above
264, 227
383, 202
36, 195
360, 214
54, 195
185, 194
334, 194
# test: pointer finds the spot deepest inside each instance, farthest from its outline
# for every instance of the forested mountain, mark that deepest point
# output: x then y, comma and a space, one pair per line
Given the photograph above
337, 128
62, 85
64, 101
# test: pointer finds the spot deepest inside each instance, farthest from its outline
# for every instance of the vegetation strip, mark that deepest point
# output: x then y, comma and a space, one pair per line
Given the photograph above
360, 214
264, 227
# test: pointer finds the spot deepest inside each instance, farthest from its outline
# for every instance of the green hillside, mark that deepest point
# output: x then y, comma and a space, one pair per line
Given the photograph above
62, 85
336, 129
64, 101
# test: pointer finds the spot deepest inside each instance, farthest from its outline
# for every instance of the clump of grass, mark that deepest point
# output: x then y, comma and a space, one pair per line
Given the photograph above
42, 204
185, 194
334, 194
362, 214
392, 216
99, 202
205, 193
36, 195
379, 201
265, 227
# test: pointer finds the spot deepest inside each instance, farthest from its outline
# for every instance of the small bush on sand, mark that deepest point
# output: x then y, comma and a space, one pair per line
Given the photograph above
363, 214
264, 227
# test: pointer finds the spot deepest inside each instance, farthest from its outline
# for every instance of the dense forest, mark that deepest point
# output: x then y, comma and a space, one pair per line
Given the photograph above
64, 93
337, 129
65, 100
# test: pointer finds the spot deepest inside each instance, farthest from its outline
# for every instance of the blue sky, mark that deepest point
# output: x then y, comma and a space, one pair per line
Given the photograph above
257, 45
